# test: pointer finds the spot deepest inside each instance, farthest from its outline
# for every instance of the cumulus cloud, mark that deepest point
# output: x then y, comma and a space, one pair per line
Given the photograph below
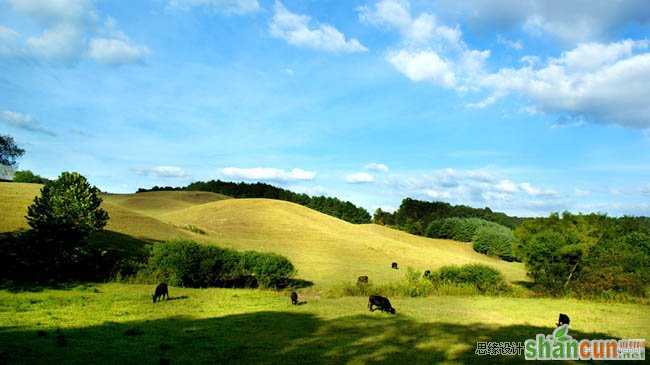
602, 83
116, 51
359, 178
163, 172
69, 30
296, 30
569, 21
380, 167
421, 29
268, 174
236, 7
429, 51
476, 187
516, 45
23, 121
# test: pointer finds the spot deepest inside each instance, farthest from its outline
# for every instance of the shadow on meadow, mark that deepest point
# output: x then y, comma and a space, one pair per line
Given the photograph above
266, 337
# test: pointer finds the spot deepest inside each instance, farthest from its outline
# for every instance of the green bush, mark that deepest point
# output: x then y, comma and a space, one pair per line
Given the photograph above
189, 264
484, 278
495, 241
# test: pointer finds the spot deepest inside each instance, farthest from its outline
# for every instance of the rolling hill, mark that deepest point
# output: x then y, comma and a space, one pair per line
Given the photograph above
325, 250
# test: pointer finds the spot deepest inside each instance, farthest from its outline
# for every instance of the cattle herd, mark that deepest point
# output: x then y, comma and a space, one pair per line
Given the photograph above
374, 301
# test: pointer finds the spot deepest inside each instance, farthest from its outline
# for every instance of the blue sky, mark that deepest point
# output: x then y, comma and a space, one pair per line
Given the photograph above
527, 107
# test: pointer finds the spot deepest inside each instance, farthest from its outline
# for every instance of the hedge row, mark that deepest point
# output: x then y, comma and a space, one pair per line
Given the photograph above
489, 238
189, 264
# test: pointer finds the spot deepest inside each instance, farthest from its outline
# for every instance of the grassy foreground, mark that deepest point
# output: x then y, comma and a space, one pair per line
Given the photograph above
117, 323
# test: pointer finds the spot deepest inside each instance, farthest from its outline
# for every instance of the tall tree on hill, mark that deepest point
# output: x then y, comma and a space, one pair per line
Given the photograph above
9, 151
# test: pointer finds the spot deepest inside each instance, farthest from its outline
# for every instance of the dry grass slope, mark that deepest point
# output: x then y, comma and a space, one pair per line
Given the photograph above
325, 250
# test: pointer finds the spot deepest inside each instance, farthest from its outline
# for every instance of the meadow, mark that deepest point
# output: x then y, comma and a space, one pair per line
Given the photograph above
118, 323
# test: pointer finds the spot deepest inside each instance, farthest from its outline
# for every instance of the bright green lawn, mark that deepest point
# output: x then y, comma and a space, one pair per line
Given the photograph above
117, 323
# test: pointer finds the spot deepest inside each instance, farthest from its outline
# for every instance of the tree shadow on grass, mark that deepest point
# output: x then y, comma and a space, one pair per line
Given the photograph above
110, 253
267, 338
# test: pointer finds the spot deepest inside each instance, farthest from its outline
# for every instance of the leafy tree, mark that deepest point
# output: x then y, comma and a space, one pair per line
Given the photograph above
9, 151
69, 207
26, 176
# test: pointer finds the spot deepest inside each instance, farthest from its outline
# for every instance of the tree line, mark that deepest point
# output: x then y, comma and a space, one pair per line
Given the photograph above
335, 207
414, 216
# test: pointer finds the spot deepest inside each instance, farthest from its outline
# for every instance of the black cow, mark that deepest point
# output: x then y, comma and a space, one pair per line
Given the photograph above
427, 274
361, 280
394, 266
294, 298
381, 303
161, 292
564, 319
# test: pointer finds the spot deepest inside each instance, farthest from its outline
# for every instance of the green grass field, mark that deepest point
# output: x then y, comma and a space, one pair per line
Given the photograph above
117, 323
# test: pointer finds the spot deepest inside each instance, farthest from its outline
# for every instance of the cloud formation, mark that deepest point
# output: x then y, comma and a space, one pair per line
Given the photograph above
570, 21
69, 31
602, 83
296, 30
379, 167
268, 174
592, 82
235, 7
23, 121
359, 178
476, 187
429, 51
163, 172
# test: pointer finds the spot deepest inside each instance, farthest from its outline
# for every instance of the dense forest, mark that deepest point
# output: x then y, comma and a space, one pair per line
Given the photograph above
414, 216
332, 206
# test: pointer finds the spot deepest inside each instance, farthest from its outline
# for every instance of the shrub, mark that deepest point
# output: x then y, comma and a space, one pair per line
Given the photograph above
189, 264
484, 278
495, 241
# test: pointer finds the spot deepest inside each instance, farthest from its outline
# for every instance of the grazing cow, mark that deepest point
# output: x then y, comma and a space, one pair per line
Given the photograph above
564, 319
394, 266
294, 298
381, 303
362, 280
161, 292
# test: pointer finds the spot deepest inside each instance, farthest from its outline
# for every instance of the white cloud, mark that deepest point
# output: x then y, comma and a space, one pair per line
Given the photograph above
9, 42
581, 192
236, 7
396, 14
23, 121
380, 167
295, 29
116, 51
602, 83
268, 173
535, 191
423, 66
429, 51
68, 31
359, 178
476, 187
163, 172
569, 21
516, 45
56, 11
62, 42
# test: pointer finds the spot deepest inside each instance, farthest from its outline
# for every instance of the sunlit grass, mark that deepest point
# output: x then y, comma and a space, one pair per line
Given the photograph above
106, 323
